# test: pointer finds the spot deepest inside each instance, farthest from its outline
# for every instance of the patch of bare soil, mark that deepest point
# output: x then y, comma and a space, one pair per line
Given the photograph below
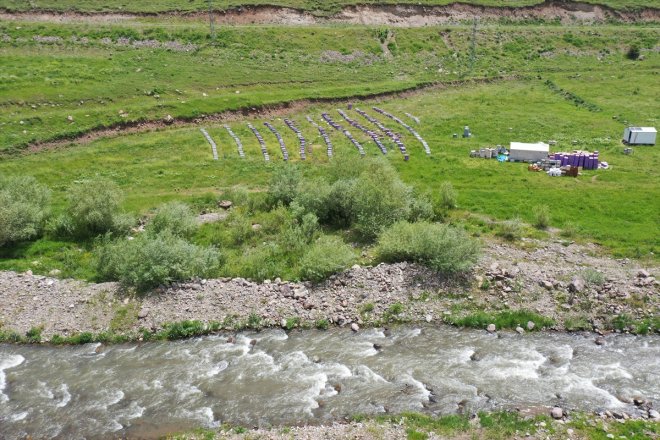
373, 15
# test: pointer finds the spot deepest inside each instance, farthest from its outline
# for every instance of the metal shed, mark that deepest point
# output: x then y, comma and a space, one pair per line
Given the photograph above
519, 151
639, 135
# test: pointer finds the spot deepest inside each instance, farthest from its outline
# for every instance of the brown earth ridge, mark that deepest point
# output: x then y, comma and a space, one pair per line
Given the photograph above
373, 15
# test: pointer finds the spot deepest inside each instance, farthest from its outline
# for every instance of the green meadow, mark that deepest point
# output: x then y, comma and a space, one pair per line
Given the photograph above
521, 82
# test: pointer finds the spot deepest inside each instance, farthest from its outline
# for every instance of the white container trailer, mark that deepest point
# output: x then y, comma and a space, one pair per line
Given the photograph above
521, 152
639, 135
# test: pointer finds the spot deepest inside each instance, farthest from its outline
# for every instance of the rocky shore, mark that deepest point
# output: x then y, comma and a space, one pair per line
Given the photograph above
568, 283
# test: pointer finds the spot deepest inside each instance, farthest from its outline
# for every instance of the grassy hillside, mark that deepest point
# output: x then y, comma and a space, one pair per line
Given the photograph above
320, 7
62, 81
617, 208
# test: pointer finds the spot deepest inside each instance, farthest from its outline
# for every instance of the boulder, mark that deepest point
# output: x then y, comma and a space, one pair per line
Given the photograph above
491, 328
530, 325
643, 274
557, 413
225, 204
576, 285
653, 414
355, 327
143, 313
168, 119
520, 330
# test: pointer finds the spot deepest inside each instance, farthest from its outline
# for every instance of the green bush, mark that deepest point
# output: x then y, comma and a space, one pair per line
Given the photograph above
24, 207
174, 218
541, 216
283, 185
328, 255
448, 195
93, 210
510, 229
151, 260
379, 199
438, 246
260, 263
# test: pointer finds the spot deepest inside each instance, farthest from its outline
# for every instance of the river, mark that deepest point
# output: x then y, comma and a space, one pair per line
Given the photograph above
274, 378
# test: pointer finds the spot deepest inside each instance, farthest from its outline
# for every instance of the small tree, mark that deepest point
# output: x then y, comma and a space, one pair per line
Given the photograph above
24, 207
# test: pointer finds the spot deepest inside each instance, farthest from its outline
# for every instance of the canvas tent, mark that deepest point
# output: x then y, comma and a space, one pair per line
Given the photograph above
519, 151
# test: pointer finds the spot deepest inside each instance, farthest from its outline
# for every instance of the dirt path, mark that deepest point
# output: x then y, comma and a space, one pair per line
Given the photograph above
373, 15
263, 111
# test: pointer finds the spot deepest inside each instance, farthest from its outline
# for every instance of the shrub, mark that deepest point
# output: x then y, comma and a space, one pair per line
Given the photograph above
93, 210
510, 229
260, 263
633, 52
541, 216
184, 329
174, 218
438, 246
448, 195
283, 185
593, 277
24, 207
328, 255
300, 233
380, 199
151, 260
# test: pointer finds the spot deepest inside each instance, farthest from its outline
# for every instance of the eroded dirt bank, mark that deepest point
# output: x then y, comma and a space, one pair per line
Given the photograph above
374, 15
569, 283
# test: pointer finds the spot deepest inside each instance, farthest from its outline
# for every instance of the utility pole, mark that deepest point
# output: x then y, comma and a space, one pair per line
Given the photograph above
211, 21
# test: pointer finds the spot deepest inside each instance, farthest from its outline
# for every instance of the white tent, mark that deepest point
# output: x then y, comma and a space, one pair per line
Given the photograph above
519, 151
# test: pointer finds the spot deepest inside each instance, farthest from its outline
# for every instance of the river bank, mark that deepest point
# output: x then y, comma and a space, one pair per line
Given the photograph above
556, 284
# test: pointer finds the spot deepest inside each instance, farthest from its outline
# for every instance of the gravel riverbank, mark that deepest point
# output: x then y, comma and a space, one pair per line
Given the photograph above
569, 283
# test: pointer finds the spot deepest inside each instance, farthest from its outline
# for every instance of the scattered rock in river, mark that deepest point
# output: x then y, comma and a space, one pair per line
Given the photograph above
355, 327
491, 328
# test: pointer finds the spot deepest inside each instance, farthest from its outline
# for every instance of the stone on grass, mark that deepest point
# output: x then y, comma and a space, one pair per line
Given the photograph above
520, 330
530, 325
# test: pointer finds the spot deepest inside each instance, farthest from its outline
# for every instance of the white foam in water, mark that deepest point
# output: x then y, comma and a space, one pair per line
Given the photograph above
516, 365
66, 396
610, 371
369, 374
217, 368
586, 387
11, 361
318, 382
18, 417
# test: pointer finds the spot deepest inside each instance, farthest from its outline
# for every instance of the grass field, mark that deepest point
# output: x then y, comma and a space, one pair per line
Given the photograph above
319, 7
525, 82
96, 75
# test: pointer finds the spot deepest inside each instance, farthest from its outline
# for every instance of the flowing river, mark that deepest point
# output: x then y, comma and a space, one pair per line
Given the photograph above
274, 378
